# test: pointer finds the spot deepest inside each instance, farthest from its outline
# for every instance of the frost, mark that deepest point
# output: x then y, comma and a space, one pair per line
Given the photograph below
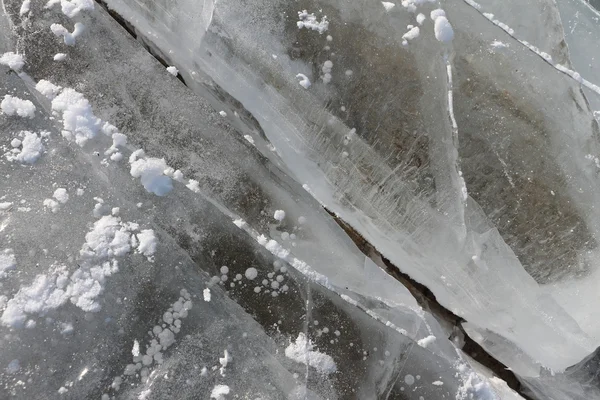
14, 106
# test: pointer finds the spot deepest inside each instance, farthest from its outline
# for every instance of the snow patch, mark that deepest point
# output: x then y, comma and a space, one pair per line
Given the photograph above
12, 60
172, 70
8, 262
59, 57
443, 30
15, 106
302, 352
151, 172
25, 7
31, 148
387, 5
309, 21
304, 81
219, 392
68, 37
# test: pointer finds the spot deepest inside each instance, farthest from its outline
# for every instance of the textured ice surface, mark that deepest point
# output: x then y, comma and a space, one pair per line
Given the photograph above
468, 165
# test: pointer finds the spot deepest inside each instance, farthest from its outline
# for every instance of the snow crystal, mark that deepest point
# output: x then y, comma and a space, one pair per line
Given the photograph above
309, 21
25, 6
443, 30
60, 57
172, 70
12, 60
387, 5
426, 341
61, 195
279, 215
251, 273
16, 106
68, 37
206, 294
409, 379
304, 81
48, 89
31, 149
8, 262
219, 392
224, 269
302, 351
151, 171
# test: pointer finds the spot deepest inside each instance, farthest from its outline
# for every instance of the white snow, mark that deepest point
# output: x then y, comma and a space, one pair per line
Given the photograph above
206, 294
304, 81
387, 5
279, 215
309, 21
15, 106
79, 122
61, 195
413, 33
13, 366
438, 12
499, 45
60, 57
172, 70
437, 383
71, 8
249, 138
51, 205
31, 149
421, 18
443, 30
251, 273
226, 359
48, 89
193, 185
222, 113
219, 392
302, 352
25, 6
8, 262
151, 172
147, 242
68, 37
409, 379
12, 60
426, 341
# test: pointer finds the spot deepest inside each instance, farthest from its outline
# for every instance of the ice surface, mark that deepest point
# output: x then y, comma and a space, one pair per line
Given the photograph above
470, 166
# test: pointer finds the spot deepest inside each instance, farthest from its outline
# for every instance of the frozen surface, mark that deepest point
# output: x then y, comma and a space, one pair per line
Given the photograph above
189, 223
